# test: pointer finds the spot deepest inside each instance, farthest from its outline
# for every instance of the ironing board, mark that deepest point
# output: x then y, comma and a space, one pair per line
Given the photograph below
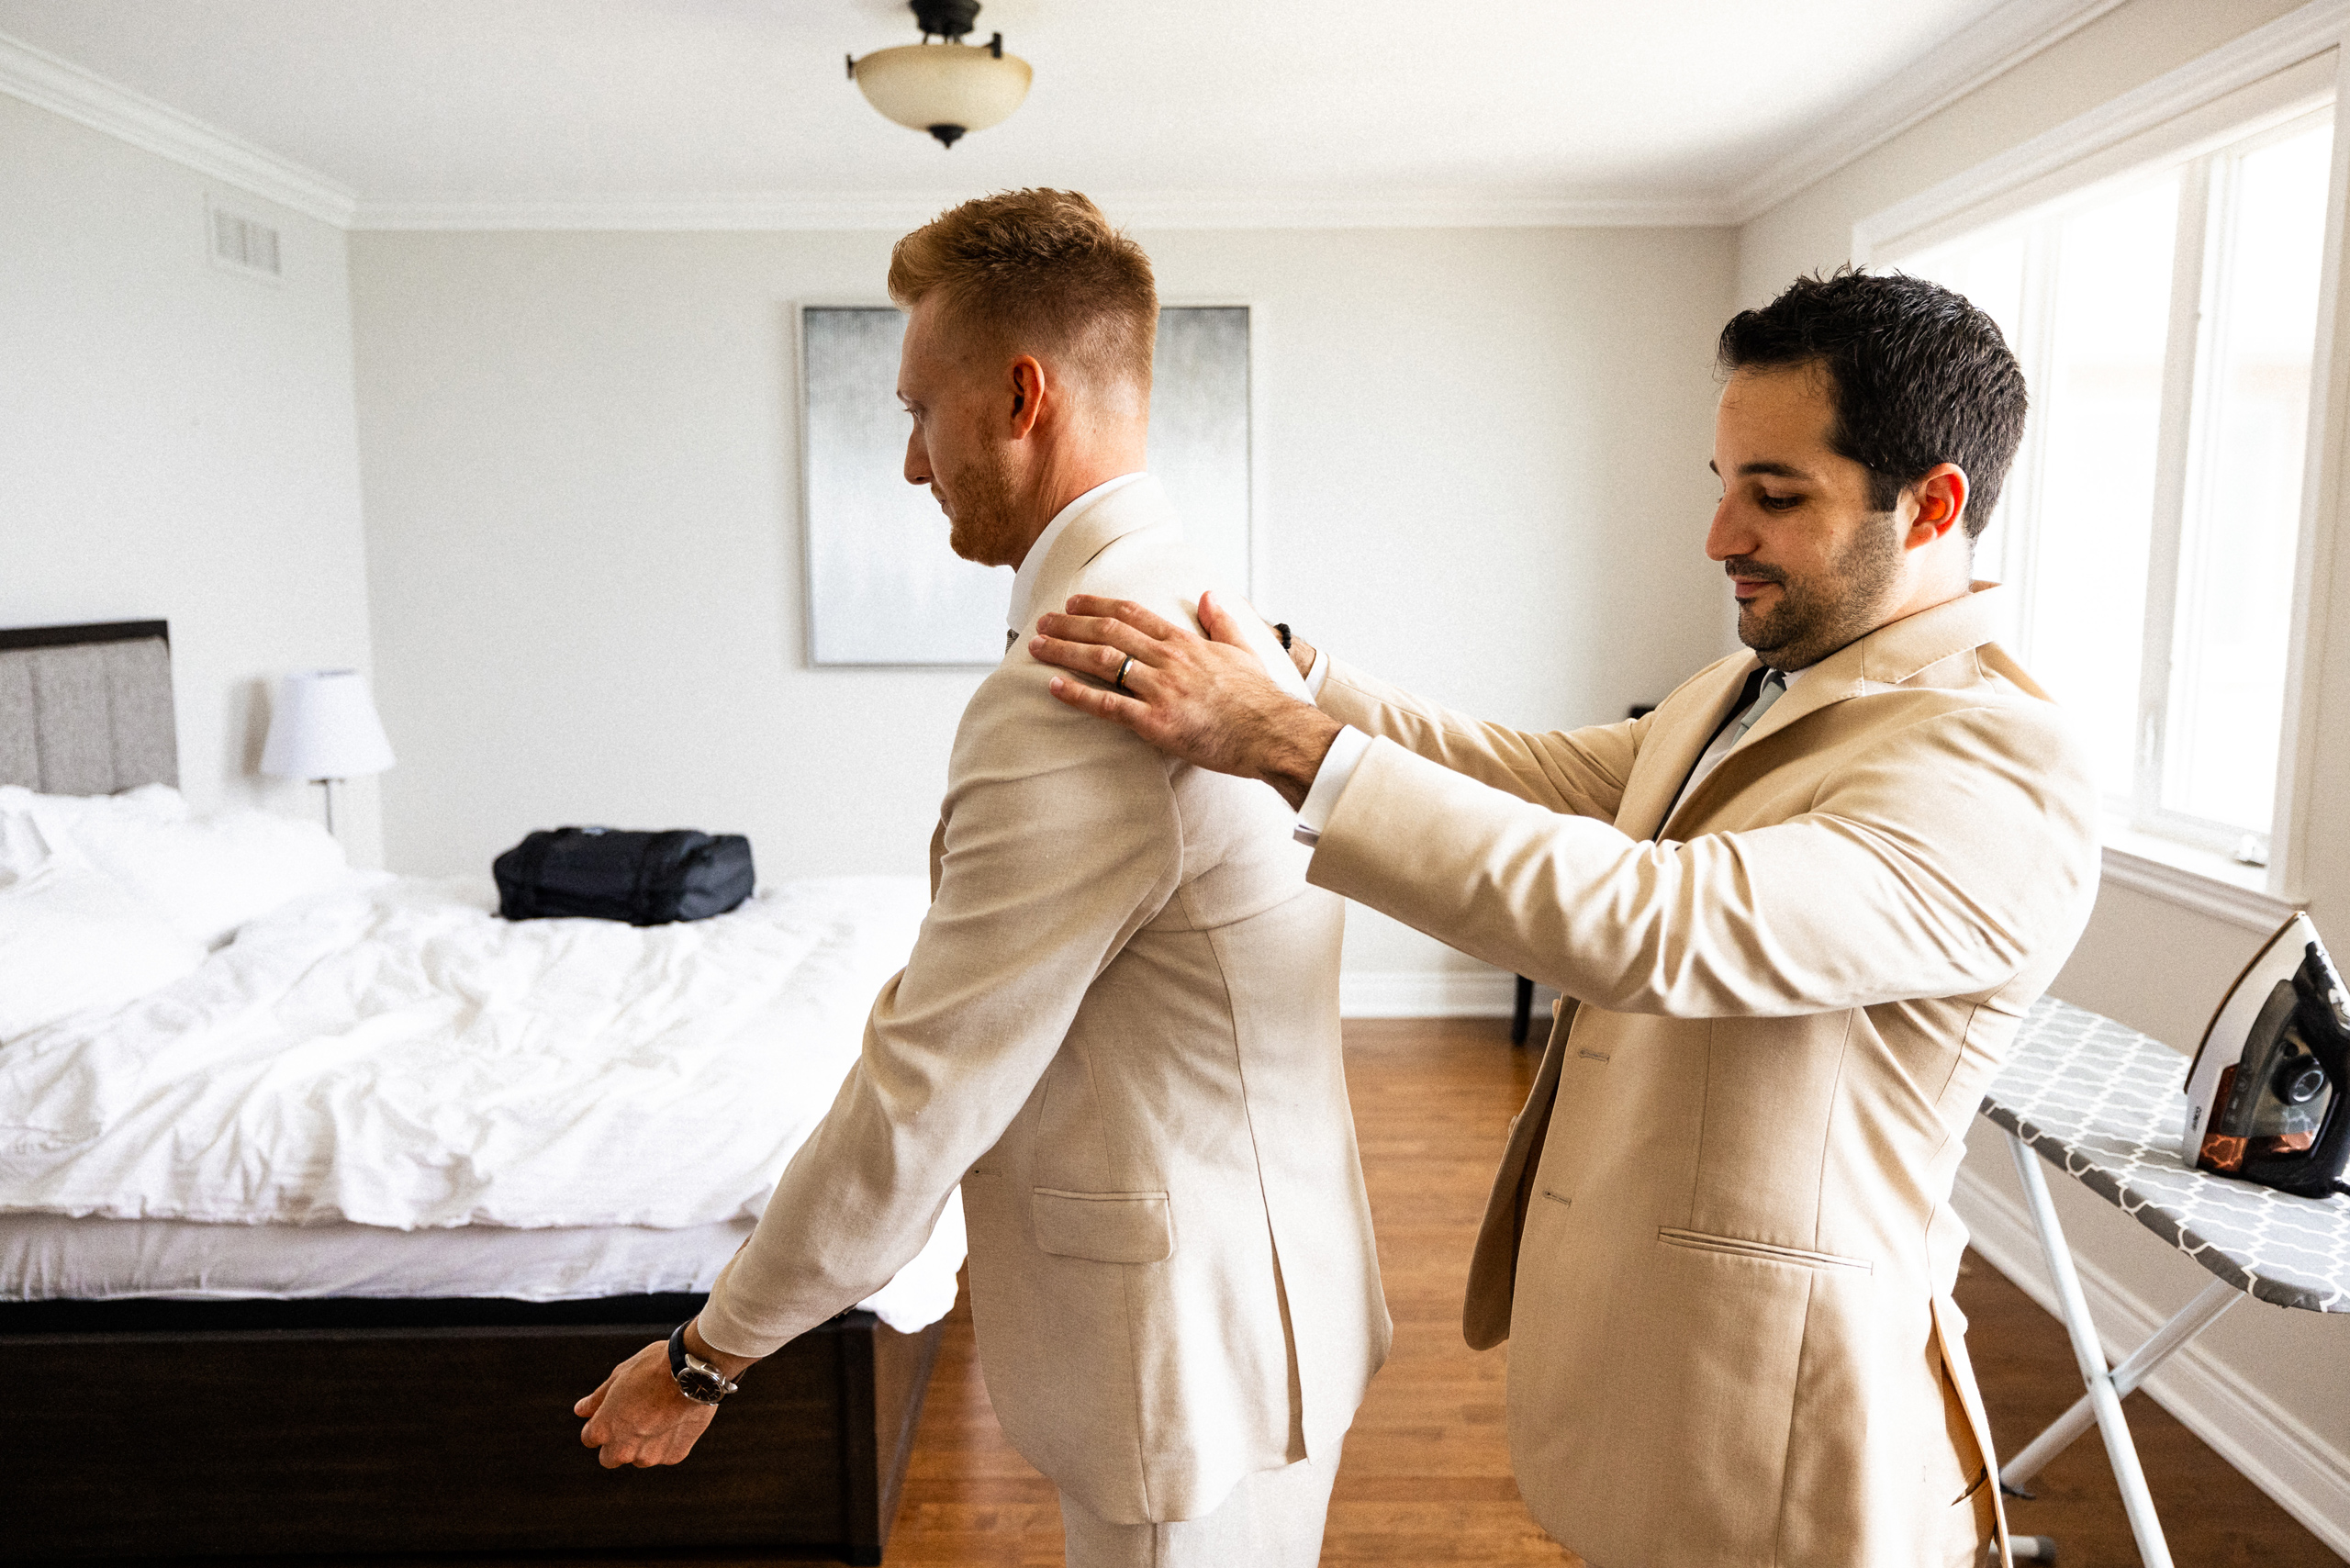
2108, 1106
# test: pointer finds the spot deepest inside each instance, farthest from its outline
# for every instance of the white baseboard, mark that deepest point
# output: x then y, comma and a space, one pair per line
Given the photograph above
1427, 993
2308, 1476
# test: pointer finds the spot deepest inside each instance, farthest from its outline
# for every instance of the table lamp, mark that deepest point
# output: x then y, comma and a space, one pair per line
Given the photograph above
324, 729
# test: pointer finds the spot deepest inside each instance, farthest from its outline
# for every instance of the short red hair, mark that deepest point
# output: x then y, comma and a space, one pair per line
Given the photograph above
1039, 271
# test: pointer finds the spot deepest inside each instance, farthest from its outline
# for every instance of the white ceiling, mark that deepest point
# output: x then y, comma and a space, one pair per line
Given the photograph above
1654, 110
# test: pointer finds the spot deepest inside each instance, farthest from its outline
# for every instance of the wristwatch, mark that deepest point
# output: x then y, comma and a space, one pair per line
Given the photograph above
697, 1379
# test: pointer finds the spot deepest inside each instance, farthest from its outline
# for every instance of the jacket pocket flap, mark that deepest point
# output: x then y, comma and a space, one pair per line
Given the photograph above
1107, 1227
1769, 1253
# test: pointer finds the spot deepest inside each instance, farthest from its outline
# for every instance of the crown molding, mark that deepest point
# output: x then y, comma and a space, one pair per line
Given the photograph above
64, 88
1976, 55
1411, 209
646, 213
1139, 209
2005, 39
2252, 57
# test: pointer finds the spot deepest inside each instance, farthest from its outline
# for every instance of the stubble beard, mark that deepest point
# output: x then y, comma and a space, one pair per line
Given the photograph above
1816, 616
984, 525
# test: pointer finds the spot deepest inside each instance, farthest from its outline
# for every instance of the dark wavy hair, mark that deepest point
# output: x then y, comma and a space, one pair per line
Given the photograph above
1918, 377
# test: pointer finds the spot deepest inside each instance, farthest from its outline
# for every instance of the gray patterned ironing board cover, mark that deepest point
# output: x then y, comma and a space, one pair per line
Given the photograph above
2109, 1105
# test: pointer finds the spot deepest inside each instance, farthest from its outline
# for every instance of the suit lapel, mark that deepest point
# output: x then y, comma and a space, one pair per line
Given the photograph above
1678, 734
1886, 658
1493, 1265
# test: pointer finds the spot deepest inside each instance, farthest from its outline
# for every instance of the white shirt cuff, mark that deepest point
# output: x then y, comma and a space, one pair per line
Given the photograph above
1318, 672
1330, 780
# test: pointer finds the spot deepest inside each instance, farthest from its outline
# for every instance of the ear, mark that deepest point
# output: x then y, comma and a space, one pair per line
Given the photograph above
1029, 391
1937, 503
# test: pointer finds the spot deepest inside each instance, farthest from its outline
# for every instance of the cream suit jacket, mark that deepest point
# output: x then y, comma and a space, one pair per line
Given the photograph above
1721, 1238
1119, 1032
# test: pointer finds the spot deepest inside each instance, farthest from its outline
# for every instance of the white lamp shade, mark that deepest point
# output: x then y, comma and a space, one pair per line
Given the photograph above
324, 726
924, 85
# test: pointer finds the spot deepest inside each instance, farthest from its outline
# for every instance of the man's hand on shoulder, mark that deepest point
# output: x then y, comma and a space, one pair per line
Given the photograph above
637, 1417
1206, 699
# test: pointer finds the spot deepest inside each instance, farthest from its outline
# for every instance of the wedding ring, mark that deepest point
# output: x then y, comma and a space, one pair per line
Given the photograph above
1120, 682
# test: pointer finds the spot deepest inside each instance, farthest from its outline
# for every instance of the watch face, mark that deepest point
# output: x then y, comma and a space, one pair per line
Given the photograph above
701, 1381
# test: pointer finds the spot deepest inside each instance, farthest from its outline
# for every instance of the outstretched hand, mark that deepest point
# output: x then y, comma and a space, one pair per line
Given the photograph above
1204, 699
636, 1417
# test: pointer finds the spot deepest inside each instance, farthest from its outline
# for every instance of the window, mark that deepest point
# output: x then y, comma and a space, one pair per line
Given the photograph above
2167, 322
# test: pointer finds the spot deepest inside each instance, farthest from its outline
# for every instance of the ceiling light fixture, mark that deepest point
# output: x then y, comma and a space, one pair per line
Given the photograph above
947, 87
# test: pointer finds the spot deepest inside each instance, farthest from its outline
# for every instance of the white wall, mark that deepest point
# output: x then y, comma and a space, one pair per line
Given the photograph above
1483, 467
177, 441
2265, 1385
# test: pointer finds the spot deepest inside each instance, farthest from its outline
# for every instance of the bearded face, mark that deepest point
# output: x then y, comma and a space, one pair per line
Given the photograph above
959, 447
1814, 563
1818, 610
984, 522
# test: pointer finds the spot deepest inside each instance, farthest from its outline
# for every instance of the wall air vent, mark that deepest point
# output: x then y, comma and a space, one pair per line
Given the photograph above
243, 245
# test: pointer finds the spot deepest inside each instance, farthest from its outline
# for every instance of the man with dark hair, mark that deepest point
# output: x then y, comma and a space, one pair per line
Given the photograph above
1118, 1031
1918, 377
1796, 911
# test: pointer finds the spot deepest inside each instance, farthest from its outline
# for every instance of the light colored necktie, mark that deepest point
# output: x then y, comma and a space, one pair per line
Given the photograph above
1774, 686
1769, 689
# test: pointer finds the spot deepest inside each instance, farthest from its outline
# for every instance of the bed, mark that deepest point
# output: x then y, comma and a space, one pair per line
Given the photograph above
328, 1191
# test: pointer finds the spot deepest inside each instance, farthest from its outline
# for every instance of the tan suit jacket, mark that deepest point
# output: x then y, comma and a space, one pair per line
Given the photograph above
1721, 1237
1119, 1032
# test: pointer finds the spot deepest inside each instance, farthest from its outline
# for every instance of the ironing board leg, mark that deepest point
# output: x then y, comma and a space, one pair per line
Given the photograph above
2187, 1322
2105, 1402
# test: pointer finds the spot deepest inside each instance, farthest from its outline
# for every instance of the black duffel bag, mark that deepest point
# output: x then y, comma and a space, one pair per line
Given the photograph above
645, 878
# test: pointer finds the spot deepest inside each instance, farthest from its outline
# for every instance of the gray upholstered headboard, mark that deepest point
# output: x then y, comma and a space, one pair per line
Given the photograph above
87, 710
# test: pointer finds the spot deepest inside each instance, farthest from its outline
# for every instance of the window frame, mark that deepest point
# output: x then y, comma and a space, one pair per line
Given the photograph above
2194, 326
2268, 79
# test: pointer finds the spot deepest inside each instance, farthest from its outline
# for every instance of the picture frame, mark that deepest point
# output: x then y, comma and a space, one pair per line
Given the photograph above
883, 586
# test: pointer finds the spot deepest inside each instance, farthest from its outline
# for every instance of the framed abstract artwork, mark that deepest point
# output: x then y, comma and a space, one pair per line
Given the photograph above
883, 586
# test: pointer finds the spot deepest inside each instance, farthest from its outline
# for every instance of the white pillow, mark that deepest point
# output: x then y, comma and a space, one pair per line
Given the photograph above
203, 875
73, 941
22, 848
155, 802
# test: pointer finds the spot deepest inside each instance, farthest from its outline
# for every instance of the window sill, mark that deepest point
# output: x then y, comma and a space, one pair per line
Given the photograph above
2199, 879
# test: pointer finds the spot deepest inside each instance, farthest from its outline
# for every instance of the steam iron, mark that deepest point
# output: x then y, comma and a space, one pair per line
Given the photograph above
2268, 1093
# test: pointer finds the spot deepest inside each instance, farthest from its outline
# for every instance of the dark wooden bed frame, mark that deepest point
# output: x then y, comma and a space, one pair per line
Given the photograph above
166, 1428
159, 1428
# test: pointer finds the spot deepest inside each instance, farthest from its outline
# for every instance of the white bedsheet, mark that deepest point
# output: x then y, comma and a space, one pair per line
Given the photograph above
391, 1054
53, 1257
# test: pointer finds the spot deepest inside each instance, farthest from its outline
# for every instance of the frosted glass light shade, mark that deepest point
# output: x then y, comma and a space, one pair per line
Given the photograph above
324, 726
923, 85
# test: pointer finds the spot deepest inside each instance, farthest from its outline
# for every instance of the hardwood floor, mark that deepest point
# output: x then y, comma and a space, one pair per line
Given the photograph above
1427, 1477
2212, 1515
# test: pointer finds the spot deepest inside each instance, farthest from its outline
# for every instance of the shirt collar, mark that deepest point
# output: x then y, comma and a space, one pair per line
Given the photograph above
1032, 565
